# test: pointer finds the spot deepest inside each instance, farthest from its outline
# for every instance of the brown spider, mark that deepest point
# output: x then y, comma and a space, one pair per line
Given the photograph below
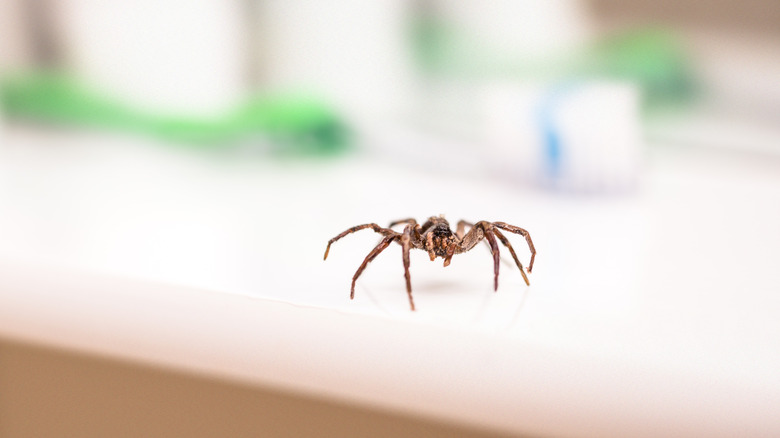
436, 237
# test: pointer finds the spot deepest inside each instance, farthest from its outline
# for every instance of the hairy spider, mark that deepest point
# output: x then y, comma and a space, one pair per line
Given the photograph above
436, 237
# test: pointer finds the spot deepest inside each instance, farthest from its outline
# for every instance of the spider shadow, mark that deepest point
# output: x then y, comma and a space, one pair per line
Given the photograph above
491, 313
487, 312
425, 291
497, 310
435, 287
520, 306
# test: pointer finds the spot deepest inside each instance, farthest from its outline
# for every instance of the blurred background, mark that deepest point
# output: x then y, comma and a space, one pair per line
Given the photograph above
219, 144
312, 78
183, 141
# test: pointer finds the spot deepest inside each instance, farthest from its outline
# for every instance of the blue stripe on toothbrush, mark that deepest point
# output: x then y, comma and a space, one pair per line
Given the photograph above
551, 144
553, 148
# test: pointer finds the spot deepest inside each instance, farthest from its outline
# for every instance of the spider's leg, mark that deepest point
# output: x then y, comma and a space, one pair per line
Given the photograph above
416, 228
410, 220
461, 231
506, 243
384, 231
482, 230
406, 245
522, 232
371, 256
473, 237
491, 238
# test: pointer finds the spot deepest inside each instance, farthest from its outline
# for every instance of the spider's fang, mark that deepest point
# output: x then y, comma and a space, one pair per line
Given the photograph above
450, 253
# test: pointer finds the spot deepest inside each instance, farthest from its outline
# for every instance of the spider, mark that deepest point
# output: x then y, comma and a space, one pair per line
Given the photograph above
436, 237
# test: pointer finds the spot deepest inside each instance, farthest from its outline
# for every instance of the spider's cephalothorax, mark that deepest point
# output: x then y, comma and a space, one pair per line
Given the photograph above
436, 237
439, 241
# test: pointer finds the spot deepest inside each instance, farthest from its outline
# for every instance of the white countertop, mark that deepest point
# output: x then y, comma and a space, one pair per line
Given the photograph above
647, 315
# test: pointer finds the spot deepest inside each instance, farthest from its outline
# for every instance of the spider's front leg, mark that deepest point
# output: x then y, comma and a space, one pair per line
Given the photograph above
383, 231
369, 258
406, 238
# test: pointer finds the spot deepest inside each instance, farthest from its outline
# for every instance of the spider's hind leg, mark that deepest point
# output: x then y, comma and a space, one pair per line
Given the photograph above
522, 232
